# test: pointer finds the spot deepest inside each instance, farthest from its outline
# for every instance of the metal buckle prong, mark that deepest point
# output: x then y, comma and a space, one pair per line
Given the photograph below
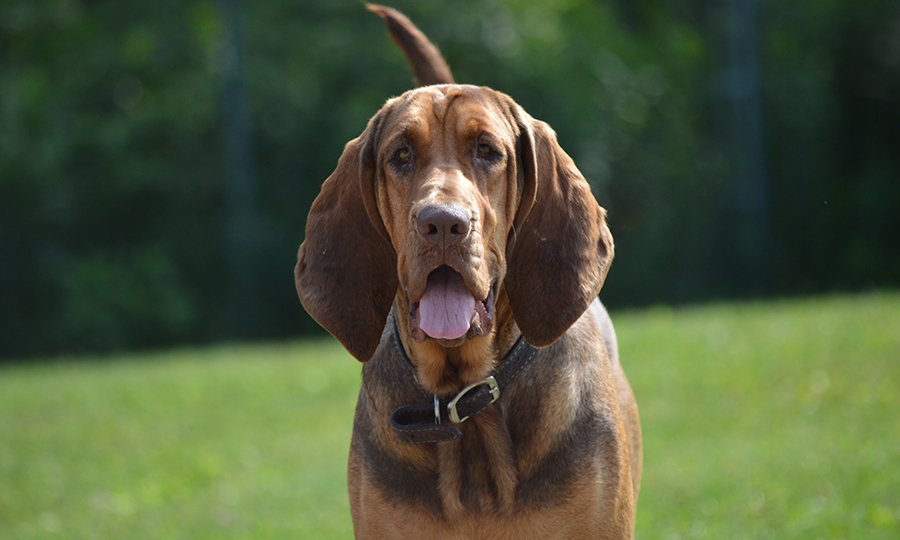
493, 388
437, 410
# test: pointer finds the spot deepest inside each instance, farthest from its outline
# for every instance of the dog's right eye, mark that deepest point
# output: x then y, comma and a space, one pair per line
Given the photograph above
403, 155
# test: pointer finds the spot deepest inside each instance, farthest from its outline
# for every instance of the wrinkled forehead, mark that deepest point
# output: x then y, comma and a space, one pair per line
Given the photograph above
459, 110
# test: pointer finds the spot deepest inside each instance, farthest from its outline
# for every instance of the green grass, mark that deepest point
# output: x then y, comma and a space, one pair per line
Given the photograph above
762, 420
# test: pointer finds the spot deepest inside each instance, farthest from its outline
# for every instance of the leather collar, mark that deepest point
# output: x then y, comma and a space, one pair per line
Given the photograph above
420, 424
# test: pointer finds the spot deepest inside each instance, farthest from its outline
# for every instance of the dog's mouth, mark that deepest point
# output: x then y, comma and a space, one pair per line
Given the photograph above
448, 312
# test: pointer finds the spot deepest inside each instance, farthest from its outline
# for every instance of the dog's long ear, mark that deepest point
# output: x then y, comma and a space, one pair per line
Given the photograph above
562, 246
346, 273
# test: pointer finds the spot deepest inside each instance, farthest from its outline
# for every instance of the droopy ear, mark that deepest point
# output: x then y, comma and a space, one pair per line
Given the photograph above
563, 247
346, 273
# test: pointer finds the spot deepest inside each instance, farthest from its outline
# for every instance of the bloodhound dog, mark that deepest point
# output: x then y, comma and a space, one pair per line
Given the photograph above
458, 252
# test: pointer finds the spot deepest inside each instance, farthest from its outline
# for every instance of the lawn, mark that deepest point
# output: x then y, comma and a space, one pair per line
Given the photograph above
773, 419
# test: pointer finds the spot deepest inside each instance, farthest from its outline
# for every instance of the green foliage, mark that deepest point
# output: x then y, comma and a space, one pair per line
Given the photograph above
107, 175
112, 303
762, 420
112, 145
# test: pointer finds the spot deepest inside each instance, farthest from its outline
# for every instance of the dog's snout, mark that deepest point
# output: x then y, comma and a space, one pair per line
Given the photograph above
443, 225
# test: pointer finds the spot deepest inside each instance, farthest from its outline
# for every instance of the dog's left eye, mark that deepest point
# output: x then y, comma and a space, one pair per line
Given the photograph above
484, 151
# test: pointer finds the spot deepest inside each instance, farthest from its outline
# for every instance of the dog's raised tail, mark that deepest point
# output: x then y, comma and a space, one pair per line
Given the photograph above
424, 57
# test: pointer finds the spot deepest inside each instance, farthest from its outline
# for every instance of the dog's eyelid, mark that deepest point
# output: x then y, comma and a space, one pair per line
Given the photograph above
487, 149
486, 137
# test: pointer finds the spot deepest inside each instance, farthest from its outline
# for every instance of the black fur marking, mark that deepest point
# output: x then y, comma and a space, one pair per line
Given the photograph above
579, 450
584, 446
399, 481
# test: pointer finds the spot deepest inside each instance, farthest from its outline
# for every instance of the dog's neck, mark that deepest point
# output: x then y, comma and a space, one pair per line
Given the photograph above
446, 370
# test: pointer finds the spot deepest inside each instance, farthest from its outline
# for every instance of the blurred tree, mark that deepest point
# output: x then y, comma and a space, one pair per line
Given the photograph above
832, 74
243, 314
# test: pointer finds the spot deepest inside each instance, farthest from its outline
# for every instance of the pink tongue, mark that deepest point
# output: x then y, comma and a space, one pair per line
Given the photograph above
447, 307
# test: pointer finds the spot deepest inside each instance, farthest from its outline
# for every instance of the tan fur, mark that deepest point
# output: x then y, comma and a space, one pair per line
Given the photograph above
559, 455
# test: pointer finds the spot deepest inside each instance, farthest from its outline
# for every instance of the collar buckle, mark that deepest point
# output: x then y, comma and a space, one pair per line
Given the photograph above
492, 387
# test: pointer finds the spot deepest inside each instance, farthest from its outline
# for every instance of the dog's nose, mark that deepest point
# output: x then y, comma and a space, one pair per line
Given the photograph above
443, 225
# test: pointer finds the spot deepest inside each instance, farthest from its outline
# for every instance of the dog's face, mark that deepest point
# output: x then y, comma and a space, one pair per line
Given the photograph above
447, 190
452, 202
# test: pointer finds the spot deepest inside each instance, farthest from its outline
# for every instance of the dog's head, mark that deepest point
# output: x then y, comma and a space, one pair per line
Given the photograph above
454, 203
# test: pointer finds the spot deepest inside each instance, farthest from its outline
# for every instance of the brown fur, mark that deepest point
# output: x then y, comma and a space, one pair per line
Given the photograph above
558, 456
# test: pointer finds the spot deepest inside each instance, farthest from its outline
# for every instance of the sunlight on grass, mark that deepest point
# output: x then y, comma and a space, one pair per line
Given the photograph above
768, 420
760, 420
227, 442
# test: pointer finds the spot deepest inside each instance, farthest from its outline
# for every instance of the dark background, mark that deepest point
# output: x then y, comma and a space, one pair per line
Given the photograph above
158, 159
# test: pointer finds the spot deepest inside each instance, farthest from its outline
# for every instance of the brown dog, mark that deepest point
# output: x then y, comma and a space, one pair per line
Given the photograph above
457, 244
